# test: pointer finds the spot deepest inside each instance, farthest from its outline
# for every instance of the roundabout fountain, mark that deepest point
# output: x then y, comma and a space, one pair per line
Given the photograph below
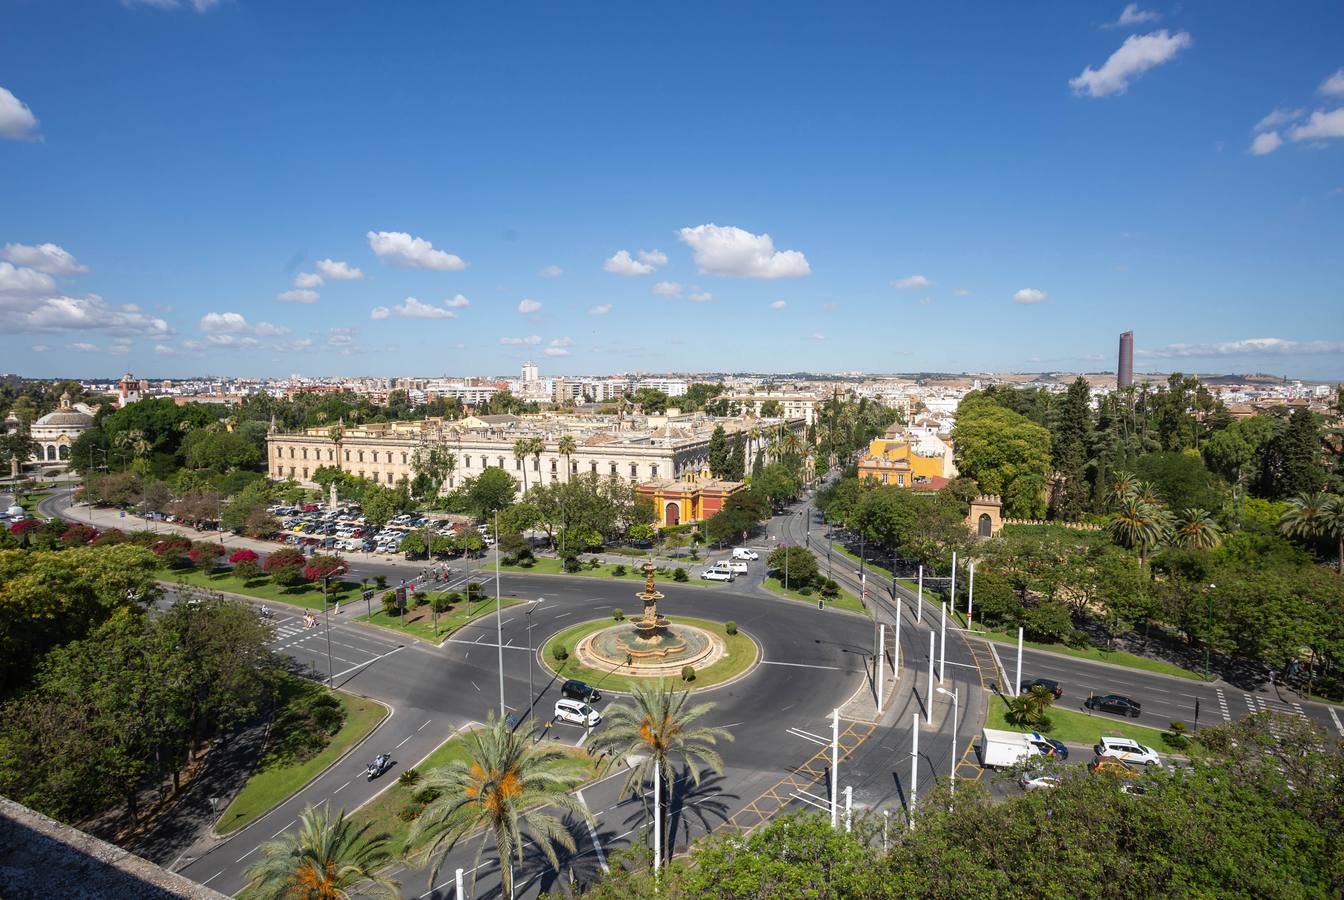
651, 646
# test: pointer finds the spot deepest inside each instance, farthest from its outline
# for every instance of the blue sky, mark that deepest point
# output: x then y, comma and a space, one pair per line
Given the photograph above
172, 168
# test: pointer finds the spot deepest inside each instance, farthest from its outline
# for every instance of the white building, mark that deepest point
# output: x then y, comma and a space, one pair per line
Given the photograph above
529, 372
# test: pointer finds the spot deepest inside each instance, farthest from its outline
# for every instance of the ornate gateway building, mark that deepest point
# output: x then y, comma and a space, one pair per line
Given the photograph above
637, 448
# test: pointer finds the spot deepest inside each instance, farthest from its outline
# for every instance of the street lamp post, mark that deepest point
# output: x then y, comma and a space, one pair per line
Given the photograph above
326, 618
1208, 628
955, 695
531, 697
499, 621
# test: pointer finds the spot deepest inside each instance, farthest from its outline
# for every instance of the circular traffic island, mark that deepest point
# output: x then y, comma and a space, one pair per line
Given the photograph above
615, 656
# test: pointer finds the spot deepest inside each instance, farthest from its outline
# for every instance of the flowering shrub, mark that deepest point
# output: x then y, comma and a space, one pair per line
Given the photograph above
243, 556
322, 566
285, 558
111, 536
77, 535
23, 525
171, 547
204, 553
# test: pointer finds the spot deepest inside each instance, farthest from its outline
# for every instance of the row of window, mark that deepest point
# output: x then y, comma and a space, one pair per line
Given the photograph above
574, 469
484, 461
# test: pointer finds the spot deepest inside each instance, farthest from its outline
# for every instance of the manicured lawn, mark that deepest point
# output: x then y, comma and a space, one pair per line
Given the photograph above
420, 621
385, 812
1075, 727
545, 565
309, 595
29, 503
276, 780
846, 600
740, 656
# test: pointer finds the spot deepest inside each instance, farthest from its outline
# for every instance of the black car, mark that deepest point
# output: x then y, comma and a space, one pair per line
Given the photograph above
1049, 684
1049, 746
1114, 703
577, 690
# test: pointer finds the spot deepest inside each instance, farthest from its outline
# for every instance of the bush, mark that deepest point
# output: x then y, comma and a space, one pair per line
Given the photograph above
560, 653
618, 614
594, 563
571, 564
441, 603
390, 603
730, 626
409, 777
246, 569
805, 591
829, 588
1176, 738
475, 592
380, 581
243, 556
679, 574
418, 599
205, 553
618, 570
688, 673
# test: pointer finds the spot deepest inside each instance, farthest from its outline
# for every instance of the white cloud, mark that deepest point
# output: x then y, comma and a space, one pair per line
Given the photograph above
40, 348
1246, 347
1334, 85
398, 248
1321, 125
667, 289
165, 350
1266, 142
121, 346
1279, 117
201, 6
270, 330
413, 309
556, 351
298, 296
17, 121
962, 292
817, 336
231, 329
621, 262
600, 310
21, 280
700, 296
43, 257
1132, 15
223, 323
925, 301
379, 312
193, 345
1030, 295
563, 342
457, 302
778, 304
88, 313
236, 341
551, 272
81, 347
1136, 55
913, 281
529, 341
728, 250
528, 305
338, 270
307, 280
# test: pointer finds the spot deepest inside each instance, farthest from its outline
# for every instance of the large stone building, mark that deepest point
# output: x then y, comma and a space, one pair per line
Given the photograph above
635, 448
56, 432
908, 458
804, 406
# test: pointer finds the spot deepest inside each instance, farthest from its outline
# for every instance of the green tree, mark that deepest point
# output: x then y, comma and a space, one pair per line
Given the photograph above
1332, 525
801, 565
567, 447
1292, 459
1138, 526
501, 791
736, 468
718, 452
1029, 709
1006, 453
492, 490
327, 858
1195, 529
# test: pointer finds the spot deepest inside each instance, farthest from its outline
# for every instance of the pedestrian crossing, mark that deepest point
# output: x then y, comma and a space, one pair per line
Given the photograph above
1222, 705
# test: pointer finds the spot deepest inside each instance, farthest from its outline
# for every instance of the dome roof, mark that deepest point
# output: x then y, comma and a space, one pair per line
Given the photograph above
66, 418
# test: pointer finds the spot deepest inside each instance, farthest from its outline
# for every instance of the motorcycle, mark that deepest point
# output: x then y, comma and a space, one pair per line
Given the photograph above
381, 763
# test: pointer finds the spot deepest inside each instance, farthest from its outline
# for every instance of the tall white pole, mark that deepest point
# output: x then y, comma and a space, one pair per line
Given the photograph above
1017, 685
460, 894
849, 807
942, 652
657, 816
952, 596
956, 704
928, 700
499, 621
886, 823
914, 769
970, 596
835, 768
881, 662
896, 667
919, 598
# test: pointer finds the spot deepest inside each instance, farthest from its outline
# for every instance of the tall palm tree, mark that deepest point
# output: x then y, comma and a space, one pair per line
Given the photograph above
1122, 485
536, 446
1146, 492
657, 726
1028, 708
501, 790
567, 447
1304, 515
323, 860
1195, 529
521, 448
1137, 526
1332, 524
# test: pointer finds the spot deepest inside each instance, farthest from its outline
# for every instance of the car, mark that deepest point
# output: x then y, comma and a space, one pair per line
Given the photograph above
716, 573
736, 566
1048, 746
745, 553
578, 690
1048, 683
1114, 703
1035, 779
576, 712
1127, 751
1111, 767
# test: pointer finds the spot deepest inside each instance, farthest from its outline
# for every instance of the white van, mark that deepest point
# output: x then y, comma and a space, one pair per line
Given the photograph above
717, 573
746, 553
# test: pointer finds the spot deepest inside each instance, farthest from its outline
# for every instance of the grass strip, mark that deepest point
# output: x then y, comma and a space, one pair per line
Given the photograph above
308, 595
420, 620
1075, 727
846, 600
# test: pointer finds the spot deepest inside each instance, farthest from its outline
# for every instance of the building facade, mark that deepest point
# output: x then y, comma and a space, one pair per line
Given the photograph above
804, 406
1124, 369
55, 433
907, 460
687, 502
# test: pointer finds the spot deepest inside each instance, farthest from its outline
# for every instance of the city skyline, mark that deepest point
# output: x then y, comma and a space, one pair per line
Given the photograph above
227, 187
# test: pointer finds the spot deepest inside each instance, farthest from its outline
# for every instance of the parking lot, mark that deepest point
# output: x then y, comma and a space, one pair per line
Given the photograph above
346, 529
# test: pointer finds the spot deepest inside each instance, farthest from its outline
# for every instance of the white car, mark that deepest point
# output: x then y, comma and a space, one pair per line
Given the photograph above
1034, 780
745, 553
577, 712
717, 573
1127, 751
736, 566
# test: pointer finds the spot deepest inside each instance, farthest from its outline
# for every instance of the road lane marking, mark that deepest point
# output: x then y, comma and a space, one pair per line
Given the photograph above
366, 662
1222, 703
562, 615
213, 877
1335, 718
403, 740
592, 833
770, 662
248, 853
342, 787
476, 686
286, 825
422, 727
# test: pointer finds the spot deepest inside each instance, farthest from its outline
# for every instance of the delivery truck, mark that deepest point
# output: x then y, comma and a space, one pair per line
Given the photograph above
1005, 749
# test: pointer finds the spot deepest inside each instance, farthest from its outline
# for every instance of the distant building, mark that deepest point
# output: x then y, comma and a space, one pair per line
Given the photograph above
687, 502
529, 371
1124, 371
129, 390
907, 459
56, 432
791, 405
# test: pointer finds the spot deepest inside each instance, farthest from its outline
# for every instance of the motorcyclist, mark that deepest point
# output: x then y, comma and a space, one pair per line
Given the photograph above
265, 611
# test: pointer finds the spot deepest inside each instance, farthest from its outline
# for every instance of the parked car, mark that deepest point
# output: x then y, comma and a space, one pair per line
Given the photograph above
577, 712
717, 573
1127, 751
745, 553
578, 690
1114, 703
1034, 780
1111, 767
1048, 683
736, 566
1048, 746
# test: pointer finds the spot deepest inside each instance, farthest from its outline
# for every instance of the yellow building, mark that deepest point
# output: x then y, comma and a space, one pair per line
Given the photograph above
895, 459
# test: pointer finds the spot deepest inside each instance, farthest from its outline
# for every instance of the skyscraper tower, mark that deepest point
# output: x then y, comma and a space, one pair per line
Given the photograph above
1124, 371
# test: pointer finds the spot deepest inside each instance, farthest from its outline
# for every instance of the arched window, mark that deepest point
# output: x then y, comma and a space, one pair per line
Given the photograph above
51, 451
986, 525
64, 451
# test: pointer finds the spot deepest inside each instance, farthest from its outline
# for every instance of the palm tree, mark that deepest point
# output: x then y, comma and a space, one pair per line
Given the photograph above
1304, 515
1332, 524
501, 790
1146, 492
1122, 485
323, 860
567, 447
1137, 526
1196, 530
521, 448
1028, 709
656, 726
536, 446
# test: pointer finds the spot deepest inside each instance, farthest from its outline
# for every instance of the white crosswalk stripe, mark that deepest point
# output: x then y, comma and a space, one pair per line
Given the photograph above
1222, 705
